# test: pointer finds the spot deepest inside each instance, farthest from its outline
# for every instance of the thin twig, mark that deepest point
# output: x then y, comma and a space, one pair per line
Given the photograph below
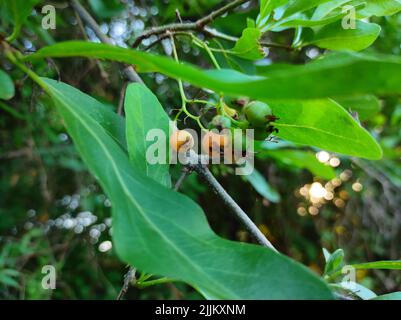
122, 98
213, 33
178, 15
196, 165
88, 19
103, 73
184, 174
197, 25
128, 277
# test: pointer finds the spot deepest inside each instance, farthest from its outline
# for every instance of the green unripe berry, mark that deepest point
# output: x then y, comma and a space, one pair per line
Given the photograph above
258, 113
221, 122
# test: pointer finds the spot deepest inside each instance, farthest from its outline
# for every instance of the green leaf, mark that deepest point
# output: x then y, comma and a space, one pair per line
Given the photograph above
144, 113
250, 23
335, 37
7, 277
326, 125
258, 181
366, 106
297, 6
334, 262
356, 289
8, 281
266, 7
113, 124
300, 159
340, 74
389, 296
325, 9
326, 254
337, 74
7, 90
248, 47
380, 8
298, 22
163, 232
19, 11
387, 265
10, 272
325, 14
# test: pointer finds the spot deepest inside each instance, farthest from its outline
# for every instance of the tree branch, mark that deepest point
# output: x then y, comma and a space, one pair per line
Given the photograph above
132, 76
196, 165
213, 33
197, 25
128, 71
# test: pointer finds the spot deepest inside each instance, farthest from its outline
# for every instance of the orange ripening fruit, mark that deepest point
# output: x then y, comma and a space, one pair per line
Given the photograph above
181, 141
213, 144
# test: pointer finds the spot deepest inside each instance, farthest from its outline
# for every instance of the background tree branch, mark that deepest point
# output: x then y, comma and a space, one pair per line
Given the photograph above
189, 26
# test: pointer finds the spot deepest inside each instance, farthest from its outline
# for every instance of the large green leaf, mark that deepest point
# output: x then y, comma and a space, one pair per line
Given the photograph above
325, 14
299, 159
290, 14
334, 37
380, 7
324, 124
296, 13
144, 113
297, 6
19, 11
303, 22
326, 8
165, 233
366, 106
340, 74
368, 9
7, 89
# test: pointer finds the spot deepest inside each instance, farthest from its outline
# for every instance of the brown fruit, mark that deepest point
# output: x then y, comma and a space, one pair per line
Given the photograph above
181, 141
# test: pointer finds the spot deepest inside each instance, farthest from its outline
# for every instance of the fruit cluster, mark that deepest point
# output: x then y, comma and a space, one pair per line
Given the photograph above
239, 114
244, 114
